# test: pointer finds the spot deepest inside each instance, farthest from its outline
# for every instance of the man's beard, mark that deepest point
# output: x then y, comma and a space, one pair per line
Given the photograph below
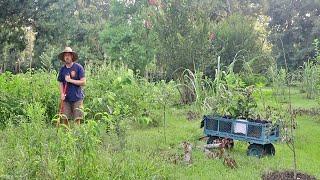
68, 62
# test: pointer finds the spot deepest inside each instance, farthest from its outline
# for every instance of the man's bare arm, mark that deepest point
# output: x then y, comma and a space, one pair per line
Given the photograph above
81, 82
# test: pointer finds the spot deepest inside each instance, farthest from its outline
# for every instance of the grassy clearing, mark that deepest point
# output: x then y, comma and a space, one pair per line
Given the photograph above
34, 150
298, 99
149, 145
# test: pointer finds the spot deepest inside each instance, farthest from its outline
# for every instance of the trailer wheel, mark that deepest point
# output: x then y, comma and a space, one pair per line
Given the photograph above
211, 139
256, 150
269, 149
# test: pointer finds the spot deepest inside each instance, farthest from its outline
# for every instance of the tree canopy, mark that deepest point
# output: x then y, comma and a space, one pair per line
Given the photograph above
167, 35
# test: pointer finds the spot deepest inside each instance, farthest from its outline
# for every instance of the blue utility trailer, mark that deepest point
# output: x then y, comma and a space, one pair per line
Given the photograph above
259, 134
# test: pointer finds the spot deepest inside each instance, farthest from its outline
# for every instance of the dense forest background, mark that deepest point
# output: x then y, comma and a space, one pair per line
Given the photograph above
160, 37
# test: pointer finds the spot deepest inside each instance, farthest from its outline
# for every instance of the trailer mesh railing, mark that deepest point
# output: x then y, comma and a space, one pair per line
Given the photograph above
212, 124
254, 131
225, 126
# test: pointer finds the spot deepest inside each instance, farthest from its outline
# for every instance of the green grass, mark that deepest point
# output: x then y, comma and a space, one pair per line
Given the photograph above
298, 99
149, 145
149, 155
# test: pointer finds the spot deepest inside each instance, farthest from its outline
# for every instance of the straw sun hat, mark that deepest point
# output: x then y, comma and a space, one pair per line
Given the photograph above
68, 50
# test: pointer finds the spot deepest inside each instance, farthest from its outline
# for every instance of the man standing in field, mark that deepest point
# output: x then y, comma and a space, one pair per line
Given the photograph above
71, 79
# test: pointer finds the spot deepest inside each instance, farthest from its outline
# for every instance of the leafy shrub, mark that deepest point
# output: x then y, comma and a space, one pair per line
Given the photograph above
112, 89
19, 90
119, 92
254, 79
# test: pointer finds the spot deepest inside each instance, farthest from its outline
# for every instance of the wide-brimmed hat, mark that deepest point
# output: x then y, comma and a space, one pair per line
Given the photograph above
68, 50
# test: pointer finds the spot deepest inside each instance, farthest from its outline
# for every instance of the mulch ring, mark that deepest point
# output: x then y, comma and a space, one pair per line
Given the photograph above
286, 175
305, 111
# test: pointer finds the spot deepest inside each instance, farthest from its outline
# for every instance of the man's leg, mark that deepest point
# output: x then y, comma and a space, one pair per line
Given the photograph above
78, 111
66, 112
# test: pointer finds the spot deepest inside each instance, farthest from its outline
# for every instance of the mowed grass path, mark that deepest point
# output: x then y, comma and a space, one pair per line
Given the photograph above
149, 155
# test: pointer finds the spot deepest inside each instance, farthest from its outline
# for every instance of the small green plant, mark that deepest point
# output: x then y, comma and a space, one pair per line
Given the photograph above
231, 95
166, 93
310, 79
278, 79
245, 104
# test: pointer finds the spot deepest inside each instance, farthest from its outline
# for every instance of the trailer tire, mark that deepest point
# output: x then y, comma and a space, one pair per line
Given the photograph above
256, 150
270, 150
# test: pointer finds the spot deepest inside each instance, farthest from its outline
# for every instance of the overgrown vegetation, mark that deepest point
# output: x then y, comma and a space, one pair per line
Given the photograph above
118, 105
153, 68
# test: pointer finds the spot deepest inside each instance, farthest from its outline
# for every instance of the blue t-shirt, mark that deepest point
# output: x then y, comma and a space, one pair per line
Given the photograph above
73, 92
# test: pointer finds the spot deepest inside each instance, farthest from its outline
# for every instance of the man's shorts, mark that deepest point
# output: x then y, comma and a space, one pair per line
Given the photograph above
73, 110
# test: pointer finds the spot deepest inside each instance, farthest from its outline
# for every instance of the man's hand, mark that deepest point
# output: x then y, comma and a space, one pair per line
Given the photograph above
68, 78
63, 97
80, 82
